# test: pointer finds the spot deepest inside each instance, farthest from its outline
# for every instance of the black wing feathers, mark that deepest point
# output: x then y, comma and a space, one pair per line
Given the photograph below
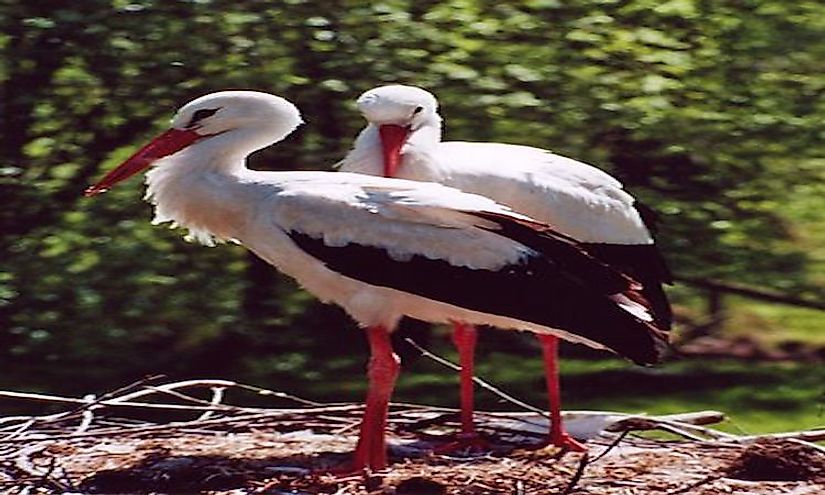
650, 217
644, 262
561, 249
553, 289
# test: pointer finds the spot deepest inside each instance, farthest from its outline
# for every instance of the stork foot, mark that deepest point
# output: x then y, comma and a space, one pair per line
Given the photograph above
562, 441
569, 443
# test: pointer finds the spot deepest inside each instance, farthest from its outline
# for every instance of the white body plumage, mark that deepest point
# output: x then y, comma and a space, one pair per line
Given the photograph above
207, 189
407, 218
577, 199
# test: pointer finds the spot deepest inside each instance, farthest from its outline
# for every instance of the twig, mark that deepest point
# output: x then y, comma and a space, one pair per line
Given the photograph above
220, 383
87, 402
689, 431
346, 428
47, 475
23, 427
280, 395
481, 383
217, 397
692, 486
119, 402
211, 406
23, 462
807, 436
695, 418
170, 389
576, 476
86, 422
612, 445
188, 424
681, 432
91, 403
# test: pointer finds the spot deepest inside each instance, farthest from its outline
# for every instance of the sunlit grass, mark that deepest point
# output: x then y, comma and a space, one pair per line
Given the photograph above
765, 322
776, 323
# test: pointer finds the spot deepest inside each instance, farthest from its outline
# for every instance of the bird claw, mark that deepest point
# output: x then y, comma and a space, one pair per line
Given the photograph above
562, 441
571, 444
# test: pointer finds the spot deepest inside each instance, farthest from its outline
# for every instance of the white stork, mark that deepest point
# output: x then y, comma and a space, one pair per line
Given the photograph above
403, 139
381, 248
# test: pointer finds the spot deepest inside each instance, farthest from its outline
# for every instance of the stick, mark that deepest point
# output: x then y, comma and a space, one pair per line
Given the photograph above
88, 417
612, 445
281, 395
117, 402
577, 475
25, 426
807, 436
690, 487
698, 418
113, 393
217, 397
481, 383
169, 389
188, 424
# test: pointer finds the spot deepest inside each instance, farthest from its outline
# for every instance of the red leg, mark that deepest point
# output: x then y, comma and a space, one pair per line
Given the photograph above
464, 339
382, 371
558, 437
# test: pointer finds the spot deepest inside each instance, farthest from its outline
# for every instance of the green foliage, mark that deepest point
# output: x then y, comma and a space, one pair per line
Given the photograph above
709, 111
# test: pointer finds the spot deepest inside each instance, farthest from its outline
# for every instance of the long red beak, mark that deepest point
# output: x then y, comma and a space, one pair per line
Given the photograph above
393, 138
165, 144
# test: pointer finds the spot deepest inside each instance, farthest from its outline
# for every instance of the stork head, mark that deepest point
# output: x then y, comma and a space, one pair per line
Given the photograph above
397, 111
253, 118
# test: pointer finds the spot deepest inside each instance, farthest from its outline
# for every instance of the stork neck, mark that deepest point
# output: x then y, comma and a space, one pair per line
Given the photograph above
424, 136
366, 157
427, 134
203, 187
226, 152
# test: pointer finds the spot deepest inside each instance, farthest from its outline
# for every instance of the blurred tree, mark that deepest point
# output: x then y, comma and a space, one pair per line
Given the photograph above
710, 111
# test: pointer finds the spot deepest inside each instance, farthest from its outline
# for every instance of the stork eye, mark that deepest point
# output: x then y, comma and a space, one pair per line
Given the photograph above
418, 109
202, 114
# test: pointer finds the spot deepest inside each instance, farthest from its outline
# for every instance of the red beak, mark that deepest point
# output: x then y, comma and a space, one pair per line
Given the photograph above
393, 138
168, 143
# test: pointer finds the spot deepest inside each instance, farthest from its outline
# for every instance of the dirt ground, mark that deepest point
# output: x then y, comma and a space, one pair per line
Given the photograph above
292, 463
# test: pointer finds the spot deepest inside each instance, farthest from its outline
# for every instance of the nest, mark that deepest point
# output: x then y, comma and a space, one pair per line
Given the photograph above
108, 444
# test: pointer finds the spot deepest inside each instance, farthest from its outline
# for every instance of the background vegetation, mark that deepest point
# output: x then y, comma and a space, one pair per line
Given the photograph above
709, 110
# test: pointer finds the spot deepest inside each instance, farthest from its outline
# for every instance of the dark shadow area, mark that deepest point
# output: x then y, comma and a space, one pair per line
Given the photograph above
196, 474
160, 472
778, 460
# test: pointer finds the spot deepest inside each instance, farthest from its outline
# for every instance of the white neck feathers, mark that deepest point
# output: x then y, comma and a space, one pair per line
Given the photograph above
417, 155
205, 187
